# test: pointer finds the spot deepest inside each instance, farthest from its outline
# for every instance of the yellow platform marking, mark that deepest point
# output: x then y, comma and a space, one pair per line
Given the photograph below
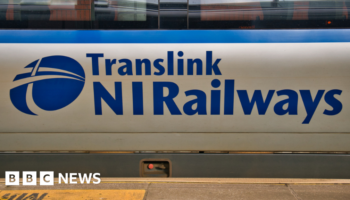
72, 194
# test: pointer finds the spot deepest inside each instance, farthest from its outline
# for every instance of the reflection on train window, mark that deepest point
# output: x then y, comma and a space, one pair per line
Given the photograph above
122, 10
79, 14
268, 14
174, 14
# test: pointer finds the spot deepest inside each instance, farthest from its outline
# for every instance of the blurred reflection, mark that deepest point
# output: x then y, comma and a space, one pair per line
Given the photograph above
174, 14
34, 10
73, 10
263, 14
228, 10
120, 10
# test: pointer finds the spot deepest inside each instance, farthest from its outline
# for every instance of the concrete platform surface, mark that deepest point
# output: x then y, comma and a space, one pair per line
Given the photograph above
182, 189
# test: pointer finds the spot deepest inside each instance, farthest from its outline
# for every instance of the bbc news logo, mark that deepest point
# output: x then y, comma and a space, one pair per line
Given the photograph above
47, 178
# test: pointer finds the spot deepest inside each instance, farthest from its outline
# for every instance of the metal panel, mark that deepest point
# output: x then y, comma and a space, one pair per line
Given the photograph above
174, 141
321, 68
186, 165
116, 111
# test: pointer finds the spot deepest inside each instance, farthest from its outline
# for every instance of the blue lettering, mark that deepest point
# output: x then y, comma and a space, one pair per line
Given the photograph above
332, 101
199, 64
292, 103
139, 63
101, 93
94, 57
137, 97
109, 64
257, 97
158, 97
215, 98
201, 102
229, 97
180, 64
160, 68
170, 63
125, 69
309, 104
212, 67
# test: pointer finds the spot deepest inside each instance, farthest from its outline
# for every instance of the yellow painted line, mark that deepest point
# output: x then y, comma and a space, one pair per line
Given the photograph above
72, 194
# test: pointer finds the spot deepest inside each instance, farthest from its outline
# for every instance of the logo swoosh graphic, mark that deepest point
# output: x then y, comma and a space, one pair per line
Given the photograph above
53, 83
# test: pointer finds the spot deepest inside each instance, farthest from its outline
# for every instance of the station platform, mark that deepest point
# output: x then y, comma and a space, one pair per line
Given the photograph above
185, 188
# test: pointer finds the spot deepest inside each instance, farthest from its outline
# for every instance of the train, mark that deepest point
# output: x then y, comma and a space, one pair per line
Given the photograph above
159, 79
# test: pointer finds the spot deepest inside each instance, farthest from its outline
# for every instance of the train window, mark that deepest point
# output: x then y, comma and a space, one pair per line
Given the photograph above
173, 14
126, 14
262, 14
79, 14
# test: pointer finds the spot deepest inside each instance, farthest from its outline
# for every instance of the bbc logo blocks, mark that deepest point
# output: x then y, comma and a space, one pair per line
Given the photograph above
46, 178
29, 178
11, 178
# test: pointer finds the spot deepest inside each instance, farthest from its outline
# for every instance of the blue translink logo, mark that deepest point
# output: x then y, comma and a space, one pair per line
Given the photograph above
53, 83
